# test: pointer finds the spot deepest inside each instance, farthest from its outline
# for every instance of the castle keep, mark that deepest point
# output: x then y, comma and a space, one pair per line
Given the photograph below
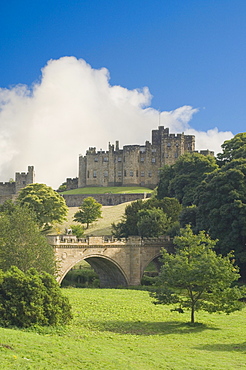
134, 165
8, 190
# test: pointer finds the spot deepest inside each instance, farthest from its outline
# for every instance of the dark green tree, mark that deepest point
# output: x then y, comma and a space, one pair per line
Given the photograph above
48, 205
152, 222
31, 298
182, 178
196, 278
233, 149
221, 208
89, 211
21, 243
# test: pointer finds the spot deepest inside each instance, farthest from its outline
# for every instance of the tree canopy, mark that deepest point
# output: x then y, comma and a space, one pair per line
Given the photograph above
21, 243
152, 217
181, 179
89, 211
195, 277
48, 205
233, 149
221, 207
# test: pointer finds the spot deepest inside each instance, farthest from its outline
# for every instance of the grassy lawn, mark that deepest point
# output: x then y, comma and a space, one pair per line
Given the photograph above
112, 190
122, 329
100, 227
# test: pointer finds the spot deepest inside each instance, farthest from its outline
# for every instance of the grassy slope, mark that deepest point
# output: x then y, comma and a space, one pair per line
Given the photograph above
122, 329
113, 190
103, 225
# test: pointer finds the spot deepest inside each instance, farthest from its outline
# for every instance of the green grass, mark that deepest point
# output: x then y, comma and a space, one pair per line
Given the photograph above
100, 227
112, 190
122, 329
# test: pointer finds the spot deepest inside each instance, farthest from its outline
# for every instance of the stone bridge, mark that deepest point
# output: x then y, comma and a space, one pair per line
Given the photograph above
117, 262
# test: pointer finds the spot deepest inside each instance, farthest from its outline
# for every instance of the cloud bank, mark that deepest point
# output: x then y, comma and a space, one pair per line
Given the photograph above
72, 107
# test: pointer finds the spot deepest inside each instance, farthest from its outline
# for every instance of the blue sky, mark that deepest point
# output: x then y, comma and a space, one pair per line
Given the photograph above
188, 53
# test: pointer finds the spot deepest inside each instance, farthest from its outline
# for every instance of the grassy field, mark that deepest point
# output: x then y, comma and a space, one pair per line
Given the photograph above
112, 190
100, 227
122, 329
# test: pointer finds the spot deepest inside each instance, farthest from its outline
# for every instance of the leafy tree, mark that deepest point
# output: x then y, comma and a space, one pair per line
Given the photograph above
152, 222
21, 243
181, 179
89, 211
197, 278
31, 298
77, 230
233, 149
221, 208
47, 204
168, 209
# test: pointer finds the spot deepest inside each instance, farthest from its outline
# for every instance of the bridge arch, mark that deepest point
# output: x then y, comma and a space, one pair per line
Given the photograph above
110, 273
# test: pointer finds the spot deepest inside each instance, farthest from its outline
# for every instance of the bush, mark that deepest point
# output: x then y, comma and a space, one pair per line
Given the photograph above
31, 298
81, 278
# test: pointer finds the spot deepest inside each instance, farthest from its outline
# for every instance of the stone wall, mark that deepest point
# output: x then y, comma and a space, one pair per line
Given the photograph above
75, 200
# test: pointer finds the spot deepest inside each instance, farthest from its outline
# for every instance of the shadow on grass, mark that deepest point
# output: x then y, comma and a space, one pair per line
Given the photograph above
229, 347
149, 328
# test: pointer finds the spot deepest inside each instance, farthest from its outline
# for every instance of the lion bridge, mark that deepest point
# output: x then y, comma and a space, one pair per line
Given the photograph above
117, 262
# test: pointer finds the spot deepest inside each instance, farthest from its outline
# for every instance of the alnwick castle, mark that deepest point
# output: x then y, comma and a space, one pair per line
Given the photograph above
133, 165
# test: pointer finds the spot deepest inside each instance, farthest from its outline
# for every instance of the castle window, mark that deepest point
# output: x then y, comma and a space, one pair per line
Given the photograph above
176, 155
168, 144
153, 150
119, 159
142, 173
142, 150
119, 173
94, 174
131, 173
177, 144
105, 159
153, 160
88, 174
150, 174
96, 159
125, 173
105, 173
142, 159
167, 155
137, 173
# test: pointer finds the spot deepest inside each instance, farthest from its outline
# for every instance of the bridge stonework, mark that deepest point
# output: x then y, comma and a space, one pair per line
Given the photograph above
117, 262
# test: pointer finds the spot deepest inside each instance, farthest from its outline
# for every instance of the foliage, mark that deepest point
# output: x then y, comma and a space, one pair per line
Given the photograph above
89, 211
62, 187
30, 298
77, 230
221, 208
81, 278
197, 278
166, 213
181, 179
48, 205
152, 222
21, 243
233, 149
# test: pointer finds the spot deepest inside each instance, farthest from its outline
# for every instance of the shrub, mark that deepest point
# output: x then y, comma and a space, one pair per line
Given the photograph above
31, 298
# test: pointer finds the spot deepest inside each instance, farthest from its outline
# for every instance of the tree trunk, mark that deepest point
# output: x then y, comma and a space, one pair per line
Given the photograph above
192, 316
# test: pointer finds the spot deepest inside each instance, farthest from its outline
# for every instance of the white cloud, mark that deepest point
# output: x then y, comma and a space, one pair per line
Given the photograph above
74, 107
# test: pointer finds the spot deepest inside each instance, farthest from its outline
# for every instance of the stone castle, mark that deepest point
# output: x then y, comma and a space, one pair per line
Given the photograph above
133, 165
9, 190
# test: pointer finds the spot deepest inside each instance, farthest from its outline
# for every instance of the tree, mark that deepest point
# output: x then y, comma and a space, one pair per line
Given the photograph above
89, 211
221, 208
181, 179
31, 298
233, 149
152, 222
77, 230
168, 209
21, 243
195, 277
47, 204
